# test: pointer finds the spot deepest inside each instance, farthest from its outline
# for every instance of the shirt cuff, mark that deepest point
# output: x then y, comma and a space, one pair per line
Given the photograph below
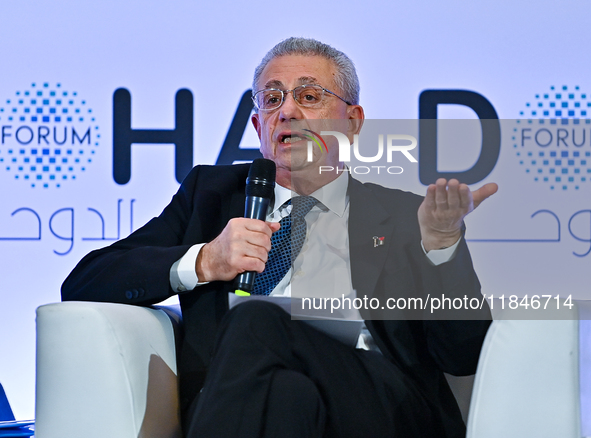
182, 273
440, 256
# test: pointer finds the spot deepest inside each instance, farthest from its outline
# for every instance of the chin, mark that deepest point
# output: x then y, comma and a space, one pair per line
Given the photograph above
299, 160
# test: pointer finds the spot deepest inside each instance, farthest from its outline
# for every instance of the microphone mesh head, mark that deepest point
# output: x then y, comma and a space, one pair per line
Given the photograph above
261, 178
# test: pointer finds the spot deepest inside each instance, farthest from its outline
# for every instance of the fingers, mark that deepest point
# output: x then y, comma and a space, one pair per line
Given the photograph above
243, 245
251, 238
429, 200
446, 195
441, 193
274, 226
254, 225
444, 208
465, 194
453, 195
259, 236
484, 192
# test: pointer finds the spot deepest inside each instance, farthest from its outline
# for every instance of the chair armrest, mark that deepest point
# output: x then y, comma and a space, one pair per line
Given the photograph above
527, 382
105, 370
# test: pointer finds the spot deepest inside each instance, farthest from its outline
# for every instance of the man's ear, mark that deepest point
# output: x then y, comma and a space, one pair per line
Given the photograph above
356, 118
256, 123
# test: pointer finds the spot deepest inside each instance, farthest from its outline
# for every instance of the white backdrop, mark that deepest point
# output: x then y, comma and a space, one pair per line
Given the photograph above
507, 51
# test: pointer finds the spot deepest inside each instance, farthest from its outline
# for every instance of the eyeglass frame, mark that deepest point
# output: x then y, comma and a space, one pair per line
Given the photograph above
292, 91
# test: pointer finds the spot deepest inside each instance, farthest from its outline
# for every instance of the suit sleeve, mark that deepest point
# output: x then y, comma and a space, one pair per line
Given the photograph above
454, 332
136, 270
455, 336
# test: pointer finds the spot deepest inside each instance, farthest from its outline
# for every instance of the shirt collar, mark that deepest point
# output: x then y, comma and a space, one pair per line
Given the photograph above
333, 195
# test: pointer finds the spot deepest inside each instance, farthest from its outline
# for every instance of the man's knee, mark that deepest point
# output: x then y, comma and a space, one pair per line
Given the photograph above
294, 390
294, 406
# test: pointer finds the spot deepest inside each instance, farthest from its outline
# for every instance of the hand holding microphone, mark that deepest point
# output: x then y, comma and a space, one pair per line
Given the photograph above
260, 185
244, 243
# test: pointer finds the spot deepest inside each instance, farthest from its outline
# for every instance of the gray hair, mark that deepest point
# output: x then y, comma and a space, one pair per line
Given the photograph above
346, 77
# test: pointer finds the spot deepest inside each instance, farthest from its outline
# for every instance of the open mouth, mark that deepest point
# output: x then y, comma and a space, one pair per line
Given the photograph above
290, 138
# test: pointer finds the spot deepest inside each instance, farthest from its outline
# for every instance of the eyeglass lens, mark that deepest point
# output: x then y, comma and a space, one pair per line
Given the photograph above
305, 95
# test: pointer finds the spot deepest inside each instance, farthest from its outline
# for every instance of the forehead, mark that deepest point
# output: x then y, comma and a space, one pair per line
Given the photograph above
289, 71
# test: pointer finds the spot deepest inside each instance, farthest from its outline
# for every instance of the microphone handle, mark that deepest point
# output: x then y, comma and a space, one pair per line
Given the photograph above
255, 207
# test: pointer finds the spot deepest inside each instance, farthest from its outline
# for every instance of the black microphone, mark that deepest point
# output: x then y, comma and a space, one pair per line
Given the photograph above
260, 186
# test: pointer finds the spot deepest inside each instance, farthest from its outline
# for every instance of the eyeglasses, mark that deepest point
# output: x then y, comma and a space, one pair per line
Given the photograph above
308, 96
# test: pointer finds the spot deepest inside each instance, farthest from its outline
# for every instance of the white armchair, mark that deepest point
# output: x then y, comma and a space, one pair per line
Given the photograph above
106, 370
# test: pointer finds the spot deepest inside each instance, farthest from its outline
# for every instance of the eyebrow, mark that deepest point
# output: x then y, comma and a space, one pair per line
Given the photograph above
301, 81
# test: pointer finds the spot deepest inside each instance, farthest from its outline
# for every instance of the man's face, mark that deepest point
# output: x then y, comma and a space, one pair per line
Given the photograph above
274, 128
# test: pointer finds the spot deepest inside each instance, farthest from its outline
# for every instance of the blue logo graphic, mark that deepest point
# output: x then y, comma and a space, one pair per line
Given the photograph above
48, 136
553, 141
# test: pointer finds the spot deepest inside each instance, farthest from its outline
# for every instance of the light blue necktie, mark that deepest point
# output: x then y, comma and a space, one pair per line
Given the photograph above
285, 245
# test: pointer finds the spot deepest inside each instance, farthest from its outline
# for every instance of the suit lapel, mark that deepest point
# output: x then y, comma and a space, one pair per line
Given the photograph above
237, 204
367, 219
235, 208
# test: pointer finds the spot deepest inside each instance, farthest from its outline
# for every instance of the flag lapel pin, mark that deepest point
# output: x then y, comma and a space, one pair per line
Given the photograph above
378, 241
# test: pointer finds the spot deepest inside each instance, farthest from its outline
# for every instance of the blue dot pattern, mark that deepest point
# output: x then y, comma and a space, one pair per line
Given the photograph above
565, 167
50, 135
286, 244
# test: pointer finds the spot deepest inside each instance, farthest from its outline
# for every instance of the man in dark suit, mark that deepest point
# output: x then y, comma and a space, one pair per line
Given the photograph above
252, 371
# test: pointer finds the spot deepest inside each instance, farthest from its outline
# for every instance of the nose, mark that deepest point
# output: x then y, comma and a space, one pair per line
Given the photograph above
290, 109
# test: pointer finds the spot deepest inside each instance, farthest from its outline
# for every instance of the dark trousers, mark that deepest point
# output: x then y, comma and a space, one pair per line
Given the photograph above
274, 377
